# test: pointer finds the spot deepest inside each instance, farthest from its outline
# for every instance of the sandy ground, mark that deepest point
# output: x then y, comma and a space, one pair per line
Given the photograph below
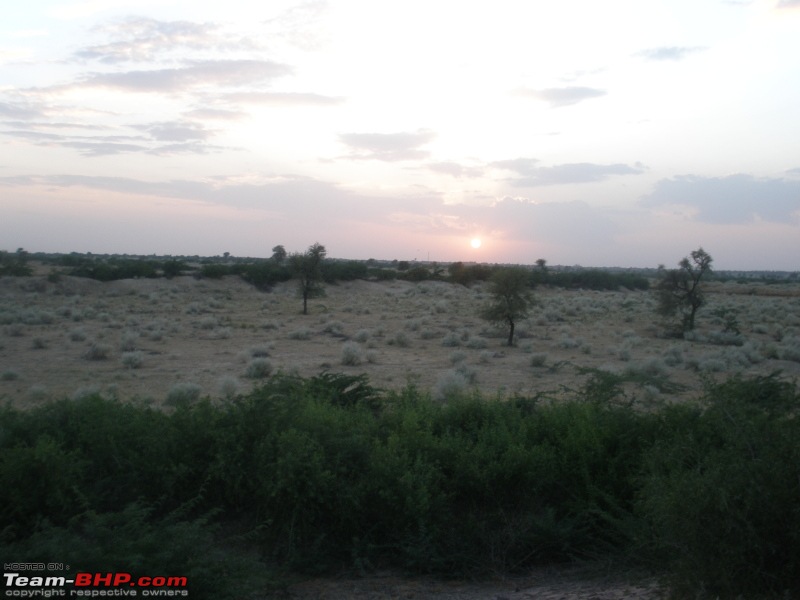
137, 339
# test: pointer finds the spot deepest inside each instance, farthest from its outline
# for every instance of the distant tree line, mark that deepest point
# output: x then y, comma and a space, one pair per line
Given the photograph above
114, 268
16, 264
265, 273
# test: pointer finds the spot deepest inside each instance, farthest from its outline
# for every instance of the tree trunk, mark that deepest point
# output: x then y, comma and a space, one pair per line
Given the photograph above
510, 332
691, 318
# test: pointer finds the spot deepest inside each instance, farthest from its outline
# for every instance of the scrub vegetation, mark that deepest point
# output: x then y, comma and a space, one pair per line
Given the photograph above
205, 426
315, 475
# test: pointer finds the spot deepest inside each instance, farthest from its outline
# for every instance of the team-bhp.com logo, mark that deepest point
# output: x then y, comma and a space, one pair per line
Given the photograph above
92, 585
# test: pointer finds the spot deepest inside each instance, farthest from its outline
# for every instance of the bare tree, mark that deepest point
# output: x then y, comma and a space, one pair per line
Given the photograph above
679, 291
307, 270
511, 298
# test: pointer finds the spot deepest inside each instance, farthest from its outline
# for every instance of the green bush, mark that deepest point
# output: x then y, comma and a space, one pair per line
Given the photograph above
328, 472
215, 271
343, 270
721, 491
590, 279
264, 274
115, 268
132, 540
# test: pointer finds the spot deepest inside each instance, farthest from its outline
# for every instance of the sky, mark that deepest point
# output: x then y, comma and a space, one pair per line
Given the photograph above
623, 133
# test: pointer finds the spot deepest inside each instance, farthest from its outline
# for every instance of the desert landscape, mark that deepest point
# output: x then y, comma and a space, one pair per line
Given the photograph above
171, 343
156, 341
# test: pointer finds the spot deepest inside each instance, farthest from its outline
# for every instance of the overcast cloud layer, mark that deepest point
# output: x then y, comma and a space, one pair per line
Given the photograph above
404, 130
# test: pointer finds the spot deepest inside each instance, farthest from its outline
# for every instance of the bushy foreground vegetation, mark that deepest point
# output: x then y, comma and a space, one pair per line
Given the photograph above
312, 475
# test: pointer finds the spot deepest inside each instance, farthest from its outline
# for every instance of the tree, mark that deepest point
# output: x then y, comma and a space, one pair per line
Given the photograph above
542, 272
307, 269
279, 254
15, 264
679, 291
511, 298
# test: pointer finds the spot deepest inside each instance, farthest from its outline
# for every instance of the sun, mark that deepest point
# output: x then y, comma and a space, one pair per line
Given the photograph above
475, 243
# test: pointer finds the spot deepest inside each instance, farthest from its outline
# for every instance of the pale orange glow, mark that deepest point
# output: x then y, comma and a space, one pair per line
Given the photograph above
475, 243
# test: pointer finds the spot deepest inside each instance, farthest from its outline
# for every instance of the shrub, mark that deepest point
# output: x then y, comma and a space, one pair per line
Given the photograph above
352, 354
265, 274
261, 351
335, 328
451, 340
132, 360
259, 368
726, 338
713, 365
477, 343
441, 307
327, 473
457, 356
137, 535
228, 386
9, 375
302, 333
538, 359
449, 385
469, 373
15, 330
429, 334
673, 356
97, 351
214, 271
399, 339
129, 339
183, 394
719, 491
208, 323
790, 349
568, 342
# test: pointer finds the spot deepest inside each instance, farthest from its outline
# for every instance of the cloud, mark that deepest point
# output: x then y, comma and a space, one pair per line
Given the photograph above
197, 74
216, 114
455, 169
88, 146
387, 146
789, 4
147, 39
534, 176
283, 98
561, 229
734, 199
100, 148
176, 131
523, 166
563, 96
185, 137
19, 110
669, 52
301, 25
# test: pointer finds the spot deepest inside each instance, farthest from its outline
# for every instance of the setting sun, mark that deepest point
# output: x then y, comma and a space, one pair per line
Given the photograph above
475, 243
